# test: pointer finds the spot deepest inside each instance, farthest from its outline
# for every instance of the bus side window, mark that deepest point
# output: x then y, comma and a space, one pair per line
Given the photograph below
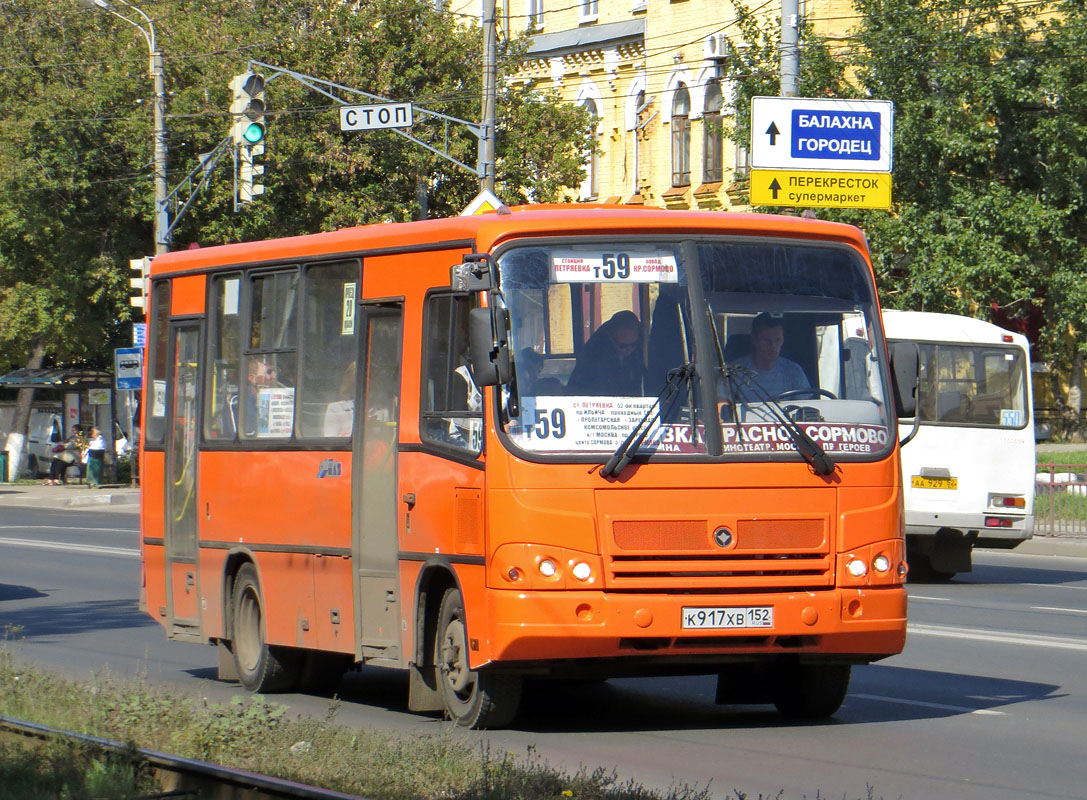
326, 388
221, 392
272, 358
452, 403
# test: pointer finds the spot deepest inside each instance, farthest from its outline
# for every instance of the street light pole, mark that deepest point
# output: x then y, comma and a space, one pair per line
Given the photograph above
158, 76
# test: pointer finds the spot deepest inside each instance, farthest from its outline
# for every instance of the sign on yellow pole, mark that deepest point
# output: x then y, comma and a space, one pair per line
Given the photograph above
811, 189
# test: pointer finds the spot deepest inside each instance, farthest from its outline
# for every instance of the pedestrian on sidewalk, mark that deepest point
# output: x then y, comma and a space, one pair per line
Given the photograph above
65, 455
96, 457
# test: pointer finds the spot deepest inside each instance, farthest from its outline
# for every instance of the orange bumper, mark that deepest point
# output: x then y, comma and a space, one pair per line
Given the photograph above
542, 625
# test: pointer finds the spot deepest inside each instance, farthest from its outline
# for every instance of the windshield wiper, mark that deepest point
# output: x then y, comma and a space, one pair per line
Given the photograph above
625, 451
816, 456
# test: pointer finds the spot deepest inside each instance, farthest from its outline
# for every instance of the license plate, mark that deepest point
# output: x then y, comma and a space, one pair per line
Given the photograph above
921, 482
740, 617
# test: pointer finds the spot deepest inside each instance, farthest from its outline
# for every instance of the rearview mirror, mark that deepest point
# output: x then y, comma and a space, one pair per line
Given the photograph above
488, 343
905, 375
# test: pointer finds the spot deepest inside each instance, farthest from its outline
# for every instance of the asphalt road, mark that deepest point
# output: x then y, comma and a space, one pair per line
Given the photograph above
987, 701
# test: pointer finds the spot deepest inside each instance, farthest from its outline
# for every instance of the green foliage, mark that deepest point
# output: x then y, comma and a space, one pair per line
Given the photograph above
76, 145
255, 735
990, 160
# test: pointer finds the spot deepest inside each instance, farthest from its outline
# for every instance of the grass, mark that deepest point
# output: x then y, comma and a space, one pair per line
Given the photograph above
254, 734
1070, 457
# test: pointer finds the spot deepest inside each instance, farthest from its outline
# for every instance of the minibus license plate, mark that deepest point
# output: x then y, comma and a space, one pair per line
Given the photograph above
921, 482
742, 617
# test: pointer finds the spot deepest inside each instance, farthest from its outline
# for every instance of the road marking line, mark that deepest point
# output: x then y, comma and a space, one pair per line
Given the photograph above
926, 704
97, 550
1067, 610
65, 528
1054, 586
932, 599
977, 635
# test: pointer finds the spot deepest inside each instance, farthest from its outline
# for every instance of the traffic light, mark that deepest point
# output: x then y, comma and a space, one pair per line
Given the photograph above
142, 268
249, 172
247, 108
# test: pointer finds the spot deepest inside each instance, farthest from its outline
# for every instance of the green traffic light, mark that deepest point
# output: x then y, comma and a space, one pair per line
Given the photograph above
253, 132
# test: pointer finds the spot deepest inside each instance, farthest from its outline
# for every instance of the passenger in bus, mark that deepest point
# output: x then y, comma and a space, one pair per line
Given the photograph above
260, 374
610, 363
529, 364
465, 431
770, 370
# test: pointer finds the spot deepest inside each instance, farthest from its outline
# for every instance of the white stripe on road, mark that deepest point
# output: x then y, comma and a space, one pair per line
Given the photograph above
1063, 610
69, 547
932, 599
63, 528
925, 704
996, 637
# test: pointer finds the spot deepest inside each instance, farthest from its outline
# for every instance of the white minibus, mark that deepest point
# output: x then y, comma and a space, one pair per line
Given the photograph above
968, 453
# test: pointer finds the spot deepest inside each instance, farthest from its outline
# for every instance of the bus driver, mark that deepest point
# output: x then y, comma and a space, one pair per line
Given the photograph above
772, 372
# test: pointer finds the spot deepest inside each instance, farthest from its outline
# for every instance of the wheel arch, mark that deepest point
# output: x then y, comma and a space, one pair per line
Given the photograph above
435, 578
235, 560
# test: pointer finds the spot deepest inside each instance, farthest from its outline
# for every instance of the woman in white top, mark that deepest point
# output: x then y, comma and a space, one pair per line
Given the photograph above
96, 456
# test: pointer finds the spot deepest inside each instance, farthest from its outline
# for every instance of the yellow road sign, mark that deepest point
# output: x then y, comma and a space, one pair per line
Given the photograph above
808, 189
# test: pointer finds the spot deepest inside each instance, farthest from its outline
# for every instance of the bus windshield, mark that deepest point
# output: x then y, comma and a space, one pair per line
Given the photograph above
760, 339
972, 384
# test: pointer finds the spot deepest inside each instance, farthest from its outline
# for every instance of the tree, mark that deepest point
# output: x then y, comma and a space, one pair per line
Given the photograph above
76, 146
990, 154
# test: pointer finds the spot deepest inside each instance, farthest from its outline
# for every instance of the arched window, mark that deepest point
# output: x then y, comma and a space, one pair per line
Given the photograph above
590, 187
712, 136
681, 138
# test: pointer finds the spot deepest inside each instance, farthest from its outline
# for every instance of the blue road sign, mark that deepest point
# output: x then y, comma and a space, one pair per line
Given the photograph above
806, 133
128, 368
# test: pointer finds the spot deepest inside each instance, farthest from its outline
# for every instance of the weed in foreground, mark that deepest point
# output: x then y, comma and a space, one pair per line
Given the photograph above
253, 734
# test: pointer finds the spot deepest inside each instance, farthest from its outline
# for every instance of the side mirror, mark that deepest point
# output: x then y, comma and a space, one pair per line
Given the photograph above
905, 375
488, 343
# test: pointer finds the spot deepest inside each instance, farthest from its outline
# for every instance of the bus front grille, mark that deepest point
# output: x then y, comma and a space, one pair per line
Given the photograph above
693, 555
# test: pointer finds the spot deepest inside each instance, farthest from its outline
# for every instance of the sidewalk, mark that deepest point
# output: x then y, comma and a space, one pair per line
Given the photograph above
117, 498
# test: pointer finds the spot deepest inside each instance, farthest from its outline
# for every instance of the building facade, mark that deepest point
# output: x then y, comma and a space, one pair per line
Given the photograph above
651, 72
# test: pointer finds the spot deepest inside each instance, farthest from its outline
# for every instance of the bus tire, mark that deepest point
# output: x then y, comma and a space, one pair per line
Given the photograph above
810, 691
261, 667
472, 699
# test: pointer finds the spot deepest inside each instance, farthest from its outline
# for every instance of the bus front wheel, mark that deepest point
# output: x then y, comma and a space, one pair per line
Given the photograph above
472, 698
810, 691
261, 667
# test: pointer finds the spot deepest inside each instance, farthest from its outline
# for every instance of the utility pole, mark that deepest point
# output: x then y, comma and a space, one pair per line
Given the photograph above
158, 77
790, 51
162, 216
486, 142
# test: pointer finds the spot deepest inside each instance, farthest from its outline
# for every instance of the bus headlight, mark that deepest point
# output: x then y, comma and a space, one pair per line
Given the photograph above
547, 568
582, 571
857, 568
881, 563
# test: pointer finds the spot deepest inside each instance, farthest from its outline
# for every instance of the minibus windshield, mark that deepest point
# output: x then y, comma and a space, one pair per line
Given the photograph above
709, 348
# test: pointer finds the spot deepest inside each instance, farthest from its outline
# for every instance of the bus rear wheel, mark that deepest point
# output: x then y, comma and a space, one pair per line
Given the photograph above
810, 691
261, 667
472, 698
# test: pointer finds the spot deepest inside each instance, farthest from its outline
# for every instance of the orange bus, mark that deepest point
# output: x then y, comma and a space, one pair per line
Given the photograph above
550, 442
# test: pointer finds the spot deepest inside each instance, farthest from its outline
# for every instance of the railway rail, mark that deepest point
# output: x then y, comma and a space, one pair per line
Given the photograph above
185, 778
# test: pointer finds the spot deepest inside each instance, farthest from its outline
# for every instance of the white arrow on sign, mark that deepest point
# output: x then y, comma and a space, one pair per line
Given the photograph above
821, 134
374, 117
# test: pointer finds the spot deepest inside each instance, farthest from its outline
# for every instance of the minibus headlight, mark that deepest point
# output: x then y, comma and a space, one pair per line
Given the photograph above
881, 563
857, 568
548, 568
582, 571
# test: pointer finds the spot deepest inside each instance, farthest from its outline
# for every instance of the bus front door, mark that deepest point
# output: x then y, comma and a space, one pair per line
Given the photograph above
182, 590
374, 501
